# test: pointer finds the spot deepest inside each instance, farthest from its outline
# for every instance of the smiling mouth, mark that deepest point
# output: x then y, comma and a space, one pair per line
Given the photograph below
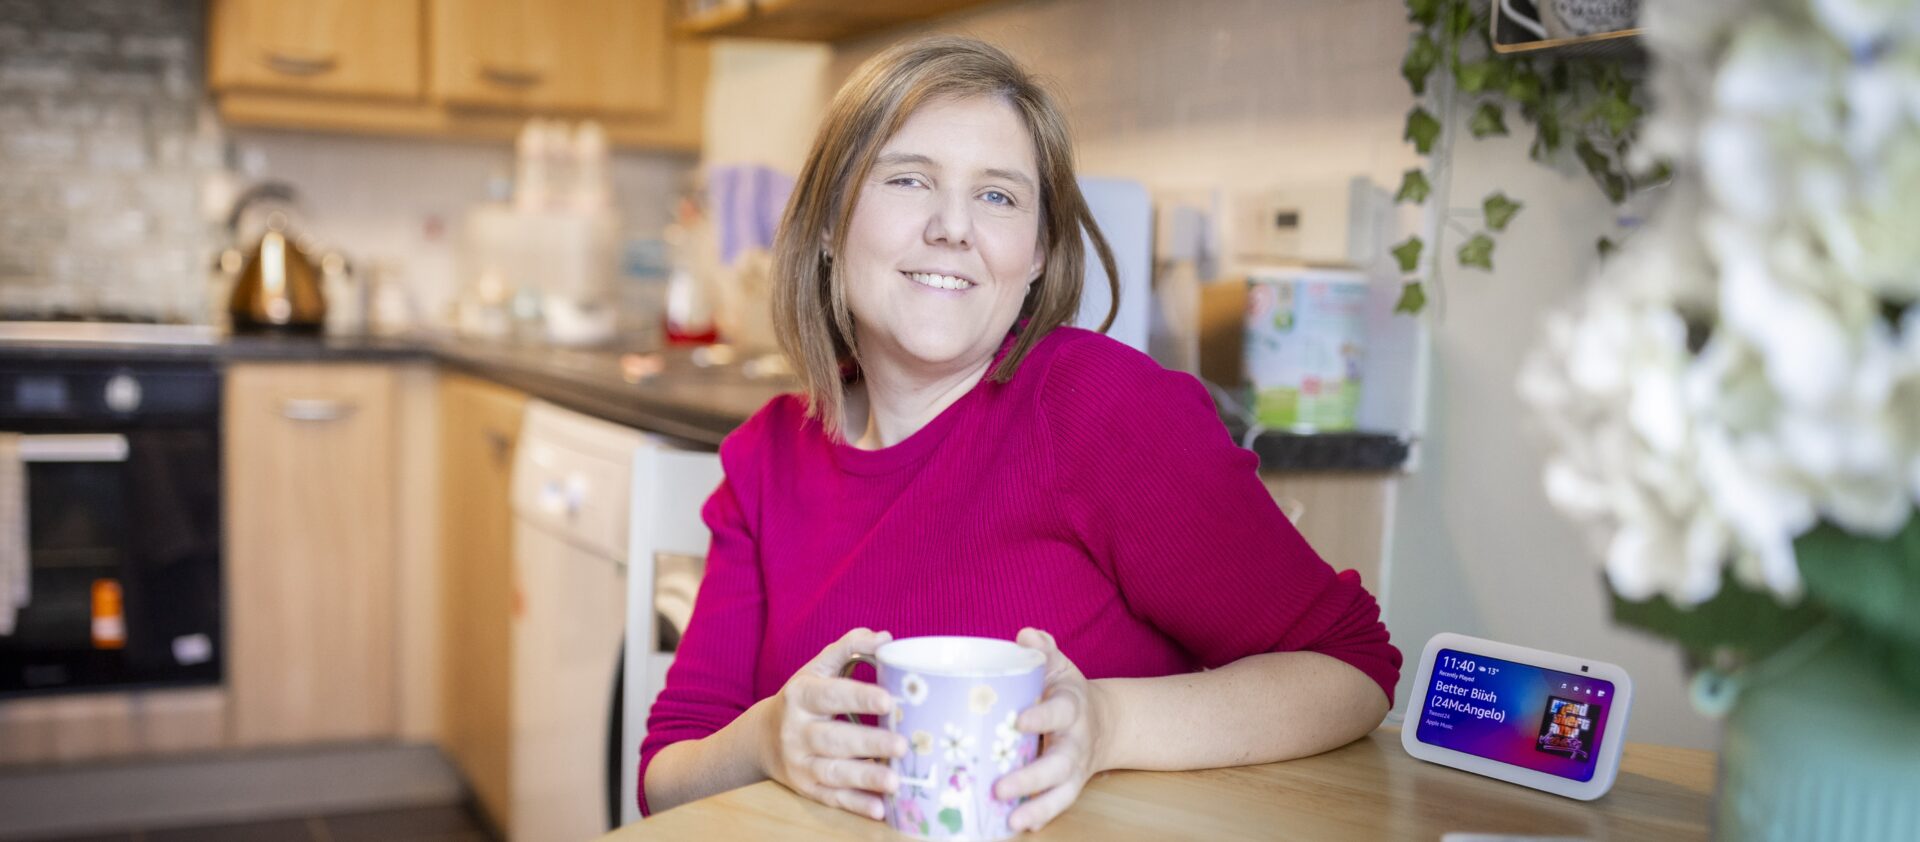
938, 281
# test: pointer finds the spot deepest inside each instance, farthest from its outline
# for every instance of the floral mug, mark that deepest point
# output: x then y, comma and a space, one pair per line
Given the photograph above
956, 699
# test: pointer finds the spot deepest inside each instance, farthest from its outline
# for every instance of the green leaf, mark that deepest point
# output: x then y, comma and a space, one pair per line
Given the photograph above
1618, 113
1422, 128
1413, 187
1422, 56
1499, 210
1413, 299
1546, 138
1487, 120
1478, 252
1606, 247
1459, 19
1408, 253
1601, 168
1750, 621
1424, 12
1480, 76
1874, 582
950, 817
1524, 87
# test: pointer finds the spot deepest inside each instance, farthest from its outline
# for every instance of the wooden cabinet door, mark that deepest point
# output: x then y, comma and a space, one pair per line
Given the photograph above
311, 546
368, 48
480, 422
594, 56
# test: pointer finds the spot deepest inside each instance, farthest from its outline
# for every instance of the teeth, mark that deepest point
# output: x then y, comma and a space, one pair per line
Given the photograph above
939, 281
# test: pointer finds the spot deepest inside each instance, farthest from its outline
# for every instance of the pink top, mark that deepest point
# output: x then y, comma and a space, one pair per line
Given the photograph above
1096, 496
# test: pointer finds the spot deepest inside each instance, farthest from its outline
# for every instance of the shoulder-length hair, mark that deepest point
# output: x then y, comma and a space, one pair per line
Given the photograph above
810, 311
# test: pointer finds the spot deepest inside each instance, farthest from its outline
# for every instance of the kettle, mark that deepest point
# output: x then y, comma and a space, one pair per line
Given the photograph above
279, 287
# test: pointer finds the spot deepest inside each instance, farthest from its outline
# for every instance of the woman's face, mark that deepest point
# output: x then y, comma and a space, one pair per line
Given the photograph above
945, 236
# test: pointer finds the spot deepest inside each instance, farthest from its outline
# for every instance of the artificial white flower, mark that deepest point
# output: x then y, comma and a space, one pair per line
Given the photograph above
1734, 376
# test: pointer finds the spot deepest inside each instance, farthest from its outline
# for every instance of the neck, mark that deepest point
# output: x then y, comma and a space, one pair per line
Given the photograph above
893, 402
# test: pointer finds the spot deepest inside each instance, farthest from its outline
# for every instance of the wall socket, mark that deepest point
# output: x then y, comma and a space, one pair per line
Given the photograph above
1326, 223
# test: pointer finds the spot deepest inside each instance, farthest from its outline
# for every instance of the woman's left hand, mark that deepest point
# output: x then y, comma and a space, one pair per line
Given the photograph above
1068, 715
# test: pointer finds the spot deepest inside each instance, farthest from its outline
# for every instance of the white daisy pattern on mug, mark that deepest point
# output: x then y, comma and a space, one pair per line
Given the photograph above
957, 745
981, 698
914, 688
922, 742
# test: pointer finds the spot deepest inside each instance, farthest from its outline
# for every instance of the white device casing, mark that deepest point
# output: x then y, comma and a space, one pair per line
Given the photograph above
1613, 728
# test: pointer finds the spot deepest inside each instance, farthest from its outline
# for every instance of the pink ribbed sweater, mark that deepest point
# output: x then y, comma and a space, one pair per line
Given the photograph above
1095, 495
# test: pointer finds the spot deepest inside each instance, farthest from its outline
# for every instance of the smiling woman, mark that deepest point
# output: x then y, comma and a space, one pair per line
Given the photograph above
959, 462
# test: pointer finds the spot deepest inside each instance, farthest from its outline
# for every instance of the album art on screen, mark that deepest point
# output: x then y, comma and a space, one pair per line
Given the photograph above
1566, 729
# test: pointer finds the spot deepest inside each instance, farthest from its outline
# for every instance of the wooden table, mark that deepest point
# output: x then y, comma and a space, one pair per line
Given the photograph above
1368, 790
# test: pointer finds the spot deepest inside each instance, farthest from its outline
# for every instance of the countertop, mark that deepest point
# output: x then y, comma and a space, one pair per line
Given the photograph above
688, 394
1370, 789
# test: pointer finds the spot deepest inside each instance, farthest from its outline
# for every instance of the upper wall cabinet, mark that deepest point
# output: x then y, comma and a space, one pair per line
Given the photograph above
458, 68
365, 48
812, 20
607, 56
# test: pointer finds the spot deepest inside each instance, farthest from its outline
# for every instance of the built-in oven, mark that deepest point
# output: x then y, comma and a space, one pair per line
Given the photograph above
110, 486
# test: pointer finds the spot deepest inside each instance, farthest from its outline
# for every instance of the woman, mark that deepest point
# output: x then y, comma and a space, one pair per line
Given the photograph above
960, 463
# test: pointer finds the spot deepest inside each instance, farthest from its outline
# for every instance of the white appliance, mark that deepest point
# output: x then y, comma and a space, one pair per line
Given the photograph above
571, 482
1124, 212
666, 556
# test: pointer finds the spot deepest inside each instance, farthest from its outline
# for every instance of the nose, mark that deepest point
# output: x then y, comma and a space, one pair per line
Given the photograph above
951, 222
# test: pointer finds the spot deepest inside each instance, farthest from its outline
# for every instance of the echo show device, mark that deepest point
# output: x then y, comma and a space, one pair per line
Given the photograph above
1540, 719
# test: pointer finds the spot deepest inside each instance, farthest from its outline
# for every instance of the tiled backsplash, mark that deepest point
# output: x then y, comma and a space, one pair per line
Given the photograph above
108, 142
103, 146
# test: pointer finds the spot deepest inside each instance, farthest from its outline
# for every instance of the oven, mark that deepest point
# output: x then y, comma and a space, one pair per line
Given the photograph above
113, 470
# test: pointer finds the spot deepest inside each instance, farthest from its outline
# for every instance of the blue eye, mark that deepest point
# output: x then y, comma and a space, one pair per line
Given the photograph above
1003, 199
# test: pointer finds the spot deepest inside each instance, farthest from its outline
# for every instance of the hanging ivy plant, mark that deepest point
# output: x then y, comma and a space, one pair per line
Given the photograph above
1589, 107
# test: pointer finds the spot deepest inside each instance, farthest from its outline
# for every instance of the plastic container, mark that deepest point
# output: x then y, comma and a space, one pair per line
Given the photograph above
1305, 344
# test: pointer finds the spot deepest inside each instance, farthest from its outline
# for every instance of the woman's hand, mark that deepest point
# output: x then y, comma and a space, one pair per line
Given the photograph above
1068, 714
823, 758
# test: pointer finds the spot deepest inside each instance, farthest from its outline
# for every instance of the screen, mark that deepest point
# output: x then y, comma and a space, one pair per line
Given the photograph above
1540, 719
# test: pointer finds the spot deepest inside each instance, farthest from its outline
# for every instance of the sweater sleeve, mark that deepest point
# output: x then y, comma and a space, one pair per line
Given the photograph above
1175, 514
711, 680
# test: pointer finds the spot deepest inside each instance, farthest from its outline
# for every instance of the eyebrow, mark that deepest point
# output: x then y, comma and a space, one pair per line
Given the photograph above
896, 158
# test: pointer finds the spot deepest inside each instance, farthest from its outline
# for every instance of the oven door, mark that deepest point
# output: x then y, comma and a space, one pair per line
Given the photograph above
122, 582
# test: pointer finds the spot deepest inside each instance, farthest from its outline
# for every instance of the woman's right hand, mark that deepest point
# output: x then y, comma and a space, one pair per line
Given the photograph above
827, 759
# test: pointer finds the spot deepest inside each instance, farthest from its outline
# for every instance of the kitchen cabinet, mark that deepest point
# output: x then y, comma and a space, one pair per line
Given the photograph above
98, 726
815, 20
366, 48
479, 426
1342, 514
481, 68
312, 545
603, 56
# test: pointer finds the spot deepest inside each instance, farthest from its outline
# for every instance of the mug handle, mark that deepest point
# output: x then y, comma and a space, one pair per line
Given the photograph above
1522, 21
846, 671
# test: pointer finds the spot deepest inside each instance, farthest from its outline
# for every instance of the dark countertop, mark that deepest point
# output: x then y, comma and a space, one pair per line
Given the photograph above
666, 392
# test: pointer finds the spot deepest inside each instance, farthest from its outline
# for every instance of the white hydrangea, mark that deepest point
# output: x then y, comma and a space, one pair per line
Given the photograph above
1746, 366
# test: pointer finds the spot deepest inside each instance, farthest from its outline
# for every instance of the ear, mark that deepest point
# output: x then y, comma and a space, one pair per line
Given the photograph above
1039, 260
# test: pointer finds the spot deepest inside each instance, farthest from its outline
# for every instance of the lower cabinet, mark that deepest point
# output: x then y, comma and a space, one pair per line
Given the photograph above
479, 427
311, 552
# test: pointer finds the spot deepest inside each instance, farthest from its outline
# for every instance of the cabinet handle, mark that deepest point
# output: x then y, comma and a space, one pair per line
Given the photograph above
502, 445
315, 409
512, 77
292, 65
101, 447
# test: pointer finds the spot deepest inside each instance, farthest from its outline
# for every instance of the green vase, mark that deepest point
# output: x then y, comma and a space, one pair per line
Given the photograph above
1825, 749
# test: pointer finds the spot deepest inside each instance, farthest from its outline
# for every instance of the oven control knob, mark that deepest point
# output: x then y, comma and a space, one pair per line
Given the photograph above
123, 393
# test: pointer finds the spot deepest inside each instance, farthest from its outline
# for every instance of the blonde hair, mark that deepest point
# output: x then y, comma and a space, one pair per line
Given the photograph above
810, 310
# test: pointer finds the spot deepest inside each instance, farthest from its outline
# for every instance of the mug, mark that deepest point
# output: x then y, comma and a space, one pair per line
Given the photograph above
955, 700
1560, 19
